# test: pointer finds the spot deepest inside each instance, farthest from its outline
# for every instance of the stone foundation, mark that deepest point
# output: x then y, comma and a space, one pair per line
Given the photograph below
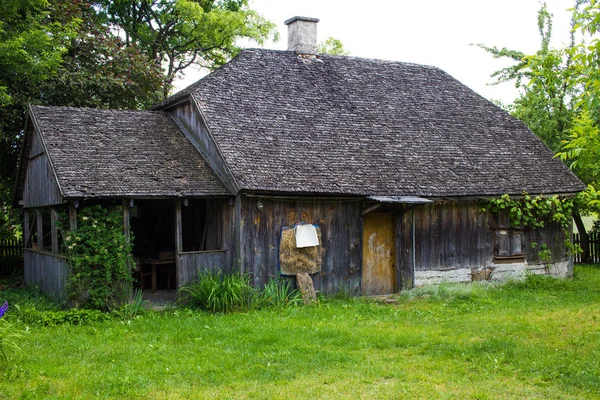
493, 272
436, 277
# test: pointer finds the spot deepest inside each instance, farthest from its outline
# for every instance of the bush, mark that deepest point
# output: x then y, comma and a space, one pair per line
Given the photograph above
99, 256
276, 293
75, 316
218, 292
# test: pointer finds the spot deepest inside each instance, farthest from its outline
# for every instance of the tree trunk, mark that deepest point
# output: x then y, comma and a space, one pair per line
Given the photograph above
584, 238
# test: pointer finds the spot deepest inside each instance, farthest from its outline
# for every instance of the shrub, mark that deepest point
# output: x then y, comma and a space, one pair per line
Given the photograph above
75, 316
98, 255
218, 292
276, 293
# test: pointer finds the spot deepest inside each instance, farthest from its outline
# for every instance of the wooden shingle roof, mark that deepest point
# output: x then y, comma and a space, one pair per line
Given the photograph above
110, 153
346, 125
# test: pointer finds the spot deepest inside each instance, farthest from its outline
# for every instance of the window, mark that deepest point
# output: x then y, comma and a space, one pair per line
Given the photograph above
202, 225
508, 241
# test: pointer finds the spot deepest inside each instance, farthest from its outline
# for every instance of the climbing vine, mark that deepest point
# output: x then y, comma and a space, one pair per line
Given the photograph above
535, 212
99, 257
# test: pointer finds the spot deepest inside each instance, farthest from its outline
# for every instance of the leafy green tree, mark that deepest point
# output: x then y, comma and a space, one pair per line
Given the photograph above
110, 54
181, 33
333, 46
547, 82
560, 97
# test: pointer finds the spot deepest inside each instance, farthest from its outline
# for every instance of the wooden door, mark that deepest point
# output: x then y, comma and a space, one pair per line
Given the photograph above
378, 264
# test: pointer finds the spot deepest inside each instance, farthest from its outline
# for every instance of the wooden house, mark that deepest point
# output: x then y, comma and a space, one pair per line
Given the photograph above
390, 160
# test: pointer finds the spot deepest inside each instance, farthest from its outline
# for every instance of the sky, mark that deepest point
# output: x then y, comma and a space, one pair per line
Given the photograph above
432, 32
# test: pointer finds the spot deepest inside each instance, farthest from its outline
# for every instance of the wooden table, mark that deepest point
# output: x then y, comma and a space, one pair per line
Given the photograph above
153, 262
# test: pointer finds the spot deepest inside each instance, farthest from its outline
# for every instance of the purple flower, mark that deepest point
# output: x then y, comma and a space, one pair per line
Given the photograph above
3, 309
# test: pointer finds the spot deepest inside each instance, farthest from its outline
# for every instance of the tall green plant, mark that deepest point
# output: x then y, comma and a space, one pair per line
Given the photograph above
218, 292
99, 257
277, 294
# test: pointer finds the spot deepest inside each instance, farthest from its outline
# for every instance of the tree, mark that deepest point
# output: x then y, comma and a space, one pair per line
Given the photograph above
181, 33
110, 54
560, 98
333, 46
546, 81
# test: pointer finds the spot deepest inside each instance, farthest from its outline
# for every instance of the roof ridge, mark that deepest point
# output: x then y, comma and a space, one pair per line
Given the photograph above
97, 109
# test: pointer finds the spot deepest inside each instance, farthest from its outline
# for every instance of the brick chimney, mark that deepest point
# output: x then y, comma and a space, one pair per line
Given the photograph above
302, 35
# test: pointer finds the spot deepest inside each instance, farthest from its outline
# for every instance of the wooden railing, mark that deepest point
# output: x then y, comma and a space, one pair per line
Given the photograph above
11, 255
594, 246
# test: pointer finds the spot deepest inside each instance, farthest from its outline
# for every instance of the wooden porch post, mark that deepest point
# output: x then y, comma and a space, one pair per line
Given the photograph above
54, 230
26, 230
72, 216
178, 239
126, 227
40, 229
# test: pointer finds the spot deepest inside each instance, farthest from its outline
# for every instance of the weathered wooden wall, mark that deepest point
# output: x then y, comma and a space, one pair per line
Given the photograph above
40, 187
188, 118
447, 236
192, 263
221, 224
458, 235
552, 235
47, 271
341, 231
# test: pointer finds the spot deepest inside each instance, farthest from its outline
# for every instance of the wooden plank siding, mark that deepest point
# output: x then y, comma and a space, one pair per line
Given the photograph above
458, 235
188, 118
192, 263
41, 188
447, 236
553, 236
47, 271
341, 233
189, 264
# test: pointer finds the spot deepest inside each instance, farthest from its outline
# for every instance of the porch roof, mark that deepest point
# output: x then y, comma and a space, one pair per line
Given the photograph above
116, 153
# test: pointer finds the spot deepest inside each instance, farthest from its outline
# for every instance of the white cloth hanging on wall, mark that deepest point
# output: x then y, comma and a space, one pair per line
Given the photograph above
306, 236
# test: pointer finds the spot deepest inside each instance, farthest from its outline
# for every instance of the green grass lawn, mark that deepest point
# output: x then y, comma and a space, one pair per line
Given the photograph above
535, 339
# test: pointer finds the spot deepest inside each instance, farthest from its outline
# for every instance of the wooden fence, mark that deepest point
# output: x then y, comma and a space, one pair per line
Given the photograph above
594, 247
11, 255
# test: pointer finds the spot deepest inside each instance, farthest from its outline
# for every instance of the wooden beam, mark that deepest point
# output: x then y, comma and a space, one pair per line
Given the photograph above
54, 230
72, 216
126, 223
372, 208
178, 239
40, 229
178, 227
26, 228
127, 229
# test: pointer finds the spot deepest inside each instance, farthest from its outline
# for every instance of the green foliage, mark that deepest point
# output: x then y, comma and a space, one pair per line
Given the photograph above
547, 80
224, 293
582, 149
560, 95
107, 54
31, 45
75, 316
218, 292
333, 46
133, 308
99, 69
9, 341
277, 294
180, 33
533, 212
99, 257
536, 338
